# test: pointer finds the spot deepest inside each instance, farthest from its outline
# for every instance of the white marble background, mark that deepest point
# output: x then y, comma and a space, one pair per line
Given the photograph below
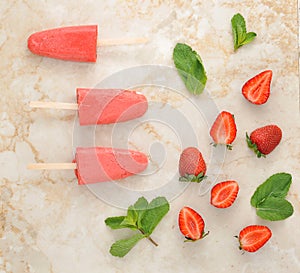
50, 224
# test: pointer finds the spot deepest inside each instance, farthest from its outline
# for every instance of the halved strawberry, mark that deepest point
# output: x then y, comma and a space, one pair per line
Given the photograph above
257, 89
223, 131
252, 238
191, 224
192, 166
264, 140
224, 194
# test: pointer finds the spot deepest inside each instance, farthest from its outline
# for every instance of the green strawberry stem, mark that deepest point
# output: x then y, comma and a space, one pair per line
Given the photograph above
192, 178
149, 238
253, 146
204, 234
228, 146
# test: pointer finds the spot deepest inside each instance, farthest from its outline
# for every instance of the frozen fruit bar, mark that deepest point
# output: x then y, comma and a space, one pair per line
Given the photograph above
75, 43
104, 106
98, 164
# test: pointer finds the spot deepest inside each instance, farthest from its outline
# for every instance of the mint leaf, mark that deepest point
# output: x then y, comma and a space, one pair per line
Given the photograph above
141, 216
249, 38
269, 198
122, 247
239, 31
276, 185
190, 68
274, 209
140, 206
156, 210
115, 222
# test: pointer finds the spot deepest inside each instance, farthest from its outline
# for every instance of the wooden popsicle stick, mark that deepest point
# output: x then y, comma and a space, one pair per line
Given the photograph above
54, 105
124, 41
52, 166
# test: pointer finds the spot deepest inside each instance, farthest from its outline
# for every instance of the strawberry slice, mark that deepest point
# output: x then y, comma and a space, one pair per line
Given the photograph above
224, 194
252, 238
191, 224
257, 89
223, 131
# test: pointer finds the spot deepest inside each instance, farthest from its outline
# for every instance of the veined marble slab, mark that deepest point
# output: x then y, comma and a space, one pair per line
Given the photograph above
50, 224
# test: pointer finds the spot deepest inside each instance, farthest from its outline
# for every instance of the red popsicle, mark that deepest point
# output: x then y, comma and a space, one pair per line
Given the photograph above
73, 43
100, 164
76, 43
102, 106
105, 164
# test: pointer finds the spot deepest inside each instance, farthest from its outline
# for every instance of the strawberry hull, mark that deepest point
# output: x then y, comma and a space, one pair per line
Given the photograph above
100, 164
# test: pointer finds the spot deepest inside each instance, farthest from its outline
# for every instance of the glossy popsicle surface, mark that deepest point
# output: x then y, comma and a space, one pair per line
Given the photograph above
74, 43
104, 106
99, 164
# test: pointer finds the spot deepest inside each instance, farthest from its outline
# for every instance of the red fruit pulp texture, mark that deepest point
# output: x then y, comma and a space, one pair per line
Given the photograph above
191, 224
257, 89
224, 194
223, 131
254, 237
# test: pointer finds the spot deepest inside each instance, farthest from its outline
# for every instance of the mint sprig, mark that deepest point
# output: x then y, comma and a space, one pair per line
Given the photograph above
240, 35
141, 216
269, 198
190, 68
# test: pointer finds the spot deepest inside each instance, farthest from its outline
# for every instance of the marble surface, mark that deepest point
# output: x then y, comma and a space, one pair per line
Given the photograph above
50, 224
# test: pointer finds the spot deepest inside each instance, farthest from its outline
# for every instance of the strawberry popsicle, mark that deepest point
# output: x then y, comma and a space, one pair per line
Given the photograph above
98, 164
75, 43
104, 106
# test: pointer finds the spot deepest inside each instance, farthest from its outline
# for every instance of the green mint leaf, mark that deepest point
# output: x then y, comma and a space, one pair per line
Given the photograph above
156, 210
122, 247
130, 220
190, 68
142, 216
241, 34
249, 38
274, 209
132, 215
276, 185
115, 222
119, 222
239, 31
140, 206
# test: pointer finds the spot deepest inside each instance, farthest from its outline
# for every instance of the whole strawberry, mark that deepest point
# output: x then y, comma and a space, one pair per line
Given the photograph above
192, 166
264, 140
